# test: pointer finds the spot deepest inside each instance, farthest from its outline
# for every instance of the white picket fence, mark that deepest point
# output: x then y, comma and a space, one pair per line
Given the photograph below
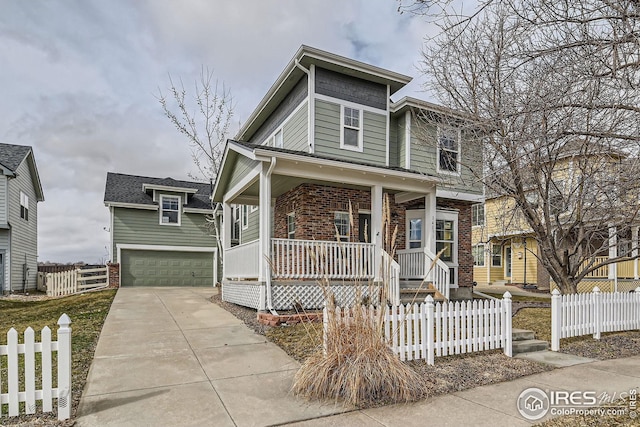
574, 315
432, 330
74, 281
28, 394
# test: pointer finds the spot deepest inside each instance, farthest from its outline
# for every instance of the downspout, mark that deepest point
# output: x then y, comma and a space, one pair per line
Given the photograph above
268, 276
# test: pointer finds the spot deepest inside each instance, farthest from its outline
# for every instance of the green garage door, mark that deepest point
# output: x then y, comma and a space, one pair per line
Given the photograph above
166, 268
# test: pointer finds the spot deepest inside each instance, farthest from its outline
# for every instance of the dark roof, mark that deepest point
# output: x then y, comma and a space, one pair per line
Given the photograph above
121, 188
252, 146
12, 155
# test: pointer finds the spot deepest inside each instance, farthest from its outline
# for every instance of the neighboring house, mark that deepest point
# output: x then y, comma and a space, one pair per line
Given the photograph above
159, 231
325, 140
505, 249
20, 192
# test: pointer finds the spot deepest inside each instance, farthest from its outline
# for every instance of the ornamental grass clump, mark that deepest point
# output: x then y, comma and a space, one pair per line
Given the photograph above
356, 365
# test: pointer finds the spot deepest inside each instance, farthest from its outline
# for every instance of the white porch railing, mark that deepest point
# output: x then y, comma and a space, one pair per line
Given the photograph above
391, 277
243, 261
315, 259
416, 264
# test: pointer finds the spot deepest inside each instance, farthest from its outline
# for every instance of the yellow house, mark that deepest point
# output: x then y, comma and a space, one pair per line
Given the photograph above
505, 250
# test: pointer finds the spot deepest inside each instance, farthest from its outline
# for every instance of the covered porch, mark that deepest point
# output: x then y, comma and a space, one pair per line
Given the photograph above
322, 220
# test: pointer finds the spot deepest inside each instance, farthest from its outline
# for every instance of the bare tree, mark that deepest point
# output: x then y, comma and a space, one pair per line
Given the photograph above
205, 120
552, 91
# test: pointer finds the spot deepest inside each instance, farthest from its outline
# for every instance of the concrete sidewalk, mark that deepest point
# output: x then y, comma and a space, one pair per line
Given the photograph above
513, 290
169, 357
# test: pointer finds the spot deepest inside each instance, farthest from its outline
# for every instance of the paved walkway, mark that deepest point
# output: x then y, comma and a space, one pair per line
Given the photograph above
170, 357
513, 290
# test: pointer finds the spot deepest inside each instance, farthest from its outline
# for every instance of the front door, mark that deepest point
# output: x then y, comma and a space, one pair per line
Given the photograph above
364, 227
507, 261
415, 235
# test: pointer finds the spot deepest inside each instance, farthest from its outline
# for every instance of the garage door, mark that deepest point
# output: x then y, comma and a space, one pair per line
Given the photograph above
166, 268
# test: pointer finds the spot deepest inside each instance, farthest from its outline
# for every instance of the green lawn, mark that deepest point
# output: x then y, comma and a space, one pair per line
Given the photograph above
87, 313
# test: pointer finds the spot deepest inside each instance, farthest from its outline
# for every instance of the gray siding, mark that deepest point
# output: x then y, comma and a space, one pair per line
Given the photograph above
243, 166
424, 159
24, 233
296, 131
141, 227
393, 142
284, 109
327, 135
3, 200
4, 250
402, 144
252, 232
352, 89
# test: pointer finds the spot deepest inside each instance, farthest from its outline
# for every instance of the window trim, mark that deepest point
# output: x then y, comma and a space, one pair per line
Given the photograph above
235, 219
289, 232
341, 236
360, 130
409, 240
161, 209
477, 247
494, 254
244, 215
473, 215
458, 131
253, 208
24, 206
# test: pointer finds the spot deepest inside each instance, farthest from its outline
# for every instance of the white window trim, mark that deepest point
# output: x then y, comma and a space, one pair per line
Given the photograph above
254, 208
360, 147
348, 235
244, 216
454, 263
484, 261
24, 202
501, 255
160, 210
484, 215
459, 137
291, 215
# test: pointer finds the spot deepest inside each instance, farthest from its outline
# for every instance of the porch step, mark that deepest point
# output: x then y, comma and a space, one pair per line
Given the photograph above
522, 335
417, 295
528, 346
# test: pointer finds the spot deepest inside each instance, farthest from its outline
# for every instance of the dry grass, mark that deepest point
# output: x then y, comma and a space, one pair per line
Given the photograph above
537, 320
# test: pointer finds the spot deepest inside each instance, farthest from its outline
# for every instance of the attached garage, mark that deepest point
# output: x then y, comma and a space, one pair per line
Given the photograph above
162, 267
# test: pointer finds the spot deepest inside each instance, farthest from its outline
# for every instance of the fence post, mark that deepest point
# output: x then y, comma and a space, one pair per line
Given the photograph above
64, 367
636, 310
556, 319
428, 306
508, 330
597, 312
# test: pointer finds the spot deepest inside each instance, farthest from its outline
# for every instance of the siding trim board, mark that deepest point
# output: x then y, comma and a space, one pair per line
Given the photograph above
350, 104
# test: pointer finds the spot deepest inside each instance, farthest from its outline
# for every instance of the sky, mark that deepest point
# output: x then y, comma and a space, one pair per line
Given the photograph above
79, 82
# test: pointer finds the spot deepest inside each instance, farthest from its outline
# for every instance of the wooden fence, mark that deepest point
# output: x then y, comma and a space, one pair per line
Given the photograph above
593, 313
433, 329
22, 388
74, 281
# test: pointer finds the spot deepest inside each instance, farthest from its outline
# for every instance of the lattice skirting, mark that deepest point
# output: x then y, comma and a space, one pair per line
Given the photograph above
310, 296
245, 294
605, 285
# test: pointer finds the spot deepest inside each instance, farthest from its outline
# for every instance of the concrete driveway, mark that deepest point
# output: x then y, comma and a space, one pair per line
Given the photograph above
168, 356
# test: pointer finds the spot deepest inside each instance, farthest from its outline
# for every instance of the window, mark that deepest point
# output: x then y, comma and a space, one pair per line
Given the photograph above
235, 226
341, 221
478, 255
445, 239
496, 256
477, 214
254, 208
448, 148
278, 142
291, 225
24, 206
170, 210
556, 198
245, 217
351, 137
415, 233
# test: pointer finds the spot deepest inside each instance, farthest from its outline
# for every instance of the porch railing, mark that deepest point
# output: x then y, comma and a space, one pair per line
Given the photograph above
243, 261
315, 259
391, 278
416, 264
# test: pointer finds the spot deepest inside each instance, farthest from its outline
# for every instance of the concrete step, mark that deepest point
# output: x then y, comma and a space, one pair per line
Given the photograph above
407, 299
528, 346
413, 284
522, 335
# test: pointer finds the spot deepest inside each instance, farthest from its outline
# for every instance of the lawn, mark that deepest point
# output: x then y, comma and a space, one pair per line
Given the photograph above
87, 313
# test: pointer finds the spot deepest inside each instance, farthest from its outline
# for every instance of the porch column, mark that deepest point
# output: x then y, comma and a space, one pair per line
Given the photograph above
265, 223
634, 253
376, 228
430, 221
227, 223
613, 253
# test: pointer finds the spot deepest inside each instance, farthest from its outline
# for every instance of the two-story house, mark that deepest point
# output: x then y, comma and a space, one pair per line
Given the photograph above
303, 185
160, 231
20, 192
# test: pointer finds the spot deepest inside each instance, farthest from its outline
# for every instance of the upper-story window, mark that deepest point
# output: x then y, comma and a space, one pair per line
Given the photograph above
477, 214
448, 150
170, 210
24, 206
351, 136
